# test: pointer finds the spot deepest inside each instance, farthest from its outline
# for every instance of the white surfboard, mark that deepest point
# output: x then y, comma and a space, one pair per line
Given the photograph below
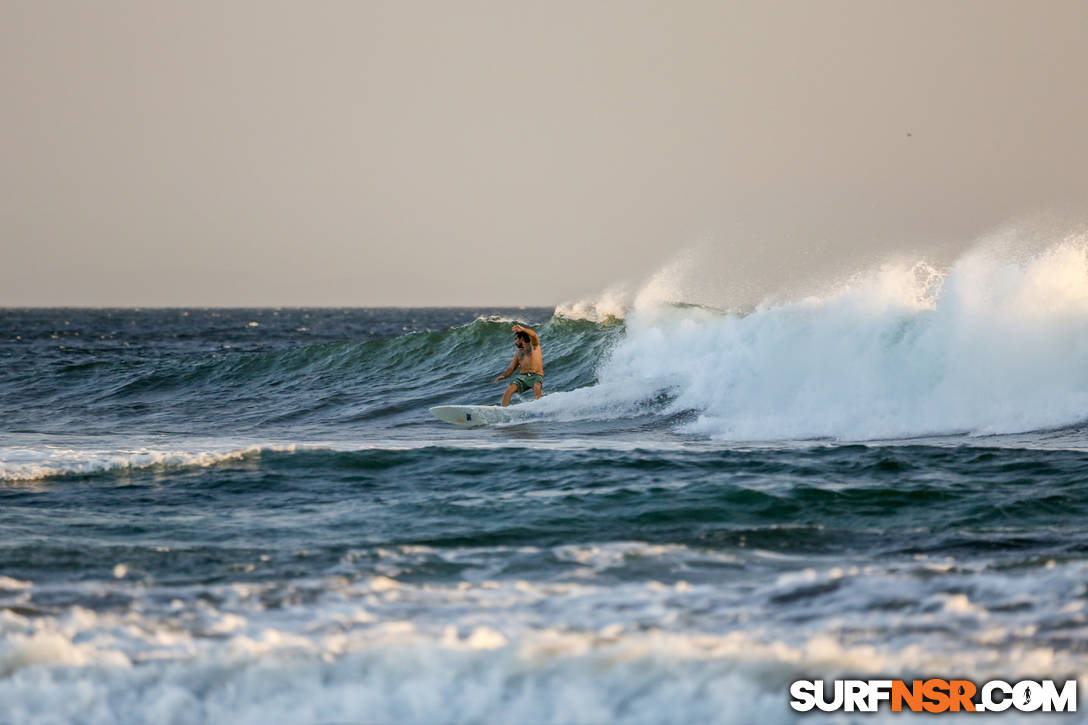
470, 416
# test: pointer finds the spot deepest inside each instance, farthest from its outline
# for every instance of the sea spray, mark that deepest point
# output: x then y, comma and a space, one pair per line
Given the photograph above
988, 346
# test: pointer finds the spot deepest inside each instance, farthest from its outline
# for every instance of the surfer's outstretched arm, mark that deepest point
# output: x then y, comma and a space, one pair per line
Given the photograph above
530, 333
510, 370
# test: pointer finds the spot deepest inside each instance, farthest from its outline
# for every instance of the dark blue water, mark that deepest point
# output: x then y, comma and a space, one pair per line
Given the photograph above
250, 515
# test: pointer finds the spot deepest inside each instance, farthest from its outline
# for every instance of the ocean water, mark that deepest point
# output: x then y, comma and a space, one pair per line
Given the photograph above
249, 516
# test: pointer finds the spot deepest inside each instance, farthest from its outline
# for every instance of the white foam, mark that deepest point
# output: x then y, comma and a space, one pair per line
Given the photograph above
988, 346
613, 303
32, 462
35, 458
9, 584
507, 651
584, 642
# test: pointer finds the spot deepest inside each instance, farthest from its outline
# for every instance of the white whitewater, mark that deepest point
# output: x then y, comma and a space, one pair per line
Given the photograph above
990, 345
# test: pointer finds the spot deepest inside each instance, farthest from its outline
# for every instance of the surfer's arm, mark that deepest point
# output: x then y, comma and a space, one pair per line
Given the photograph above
510, 370
532, 335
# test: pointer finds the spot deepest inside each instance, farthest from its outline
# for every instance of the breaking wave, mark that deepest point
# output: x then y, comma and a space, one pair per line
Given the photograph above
986, 346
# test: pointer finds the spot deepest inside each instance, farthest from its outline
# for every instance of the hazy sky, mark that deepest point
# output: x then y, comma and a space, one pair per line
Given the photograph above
373, 153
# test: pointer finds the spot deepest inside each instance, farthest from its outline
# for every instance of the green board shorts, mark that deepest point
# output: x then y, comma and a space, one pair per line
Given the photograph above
526, 381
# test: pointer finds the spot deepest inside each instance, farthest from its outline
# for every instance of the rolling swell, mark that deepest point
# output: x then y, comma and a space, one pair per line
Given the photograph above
246, 386
822, 500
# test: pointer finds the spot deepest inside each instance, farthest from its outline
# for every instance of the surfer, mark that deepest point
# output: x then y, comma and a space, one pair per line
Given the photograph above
527, 356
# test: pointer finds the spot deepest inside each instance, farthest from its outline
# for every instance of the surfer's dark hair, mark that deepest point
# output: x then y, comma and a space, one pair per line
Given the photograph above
523, 336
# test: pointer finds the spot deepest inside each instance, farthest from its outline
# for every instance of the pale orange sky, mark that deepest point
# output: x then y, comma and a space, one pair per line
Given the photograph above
418, 153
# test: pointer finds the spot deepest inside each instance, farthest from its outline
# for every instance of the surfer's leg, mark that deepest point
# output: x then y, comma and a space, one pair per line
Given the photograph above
538, 390
510, 390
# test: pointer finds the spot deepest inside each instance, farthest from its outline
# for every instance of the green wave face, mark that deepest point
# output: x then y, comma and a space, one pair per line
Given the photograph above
271, 377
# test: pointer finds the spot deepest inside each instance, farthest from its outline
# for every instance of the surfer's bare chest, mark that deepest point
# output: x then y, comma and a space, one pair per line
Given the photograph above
530, 360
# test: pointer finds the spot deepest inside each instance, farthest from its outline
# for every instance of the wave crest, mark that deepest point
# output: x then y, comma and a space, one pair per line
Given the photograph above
987, 346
